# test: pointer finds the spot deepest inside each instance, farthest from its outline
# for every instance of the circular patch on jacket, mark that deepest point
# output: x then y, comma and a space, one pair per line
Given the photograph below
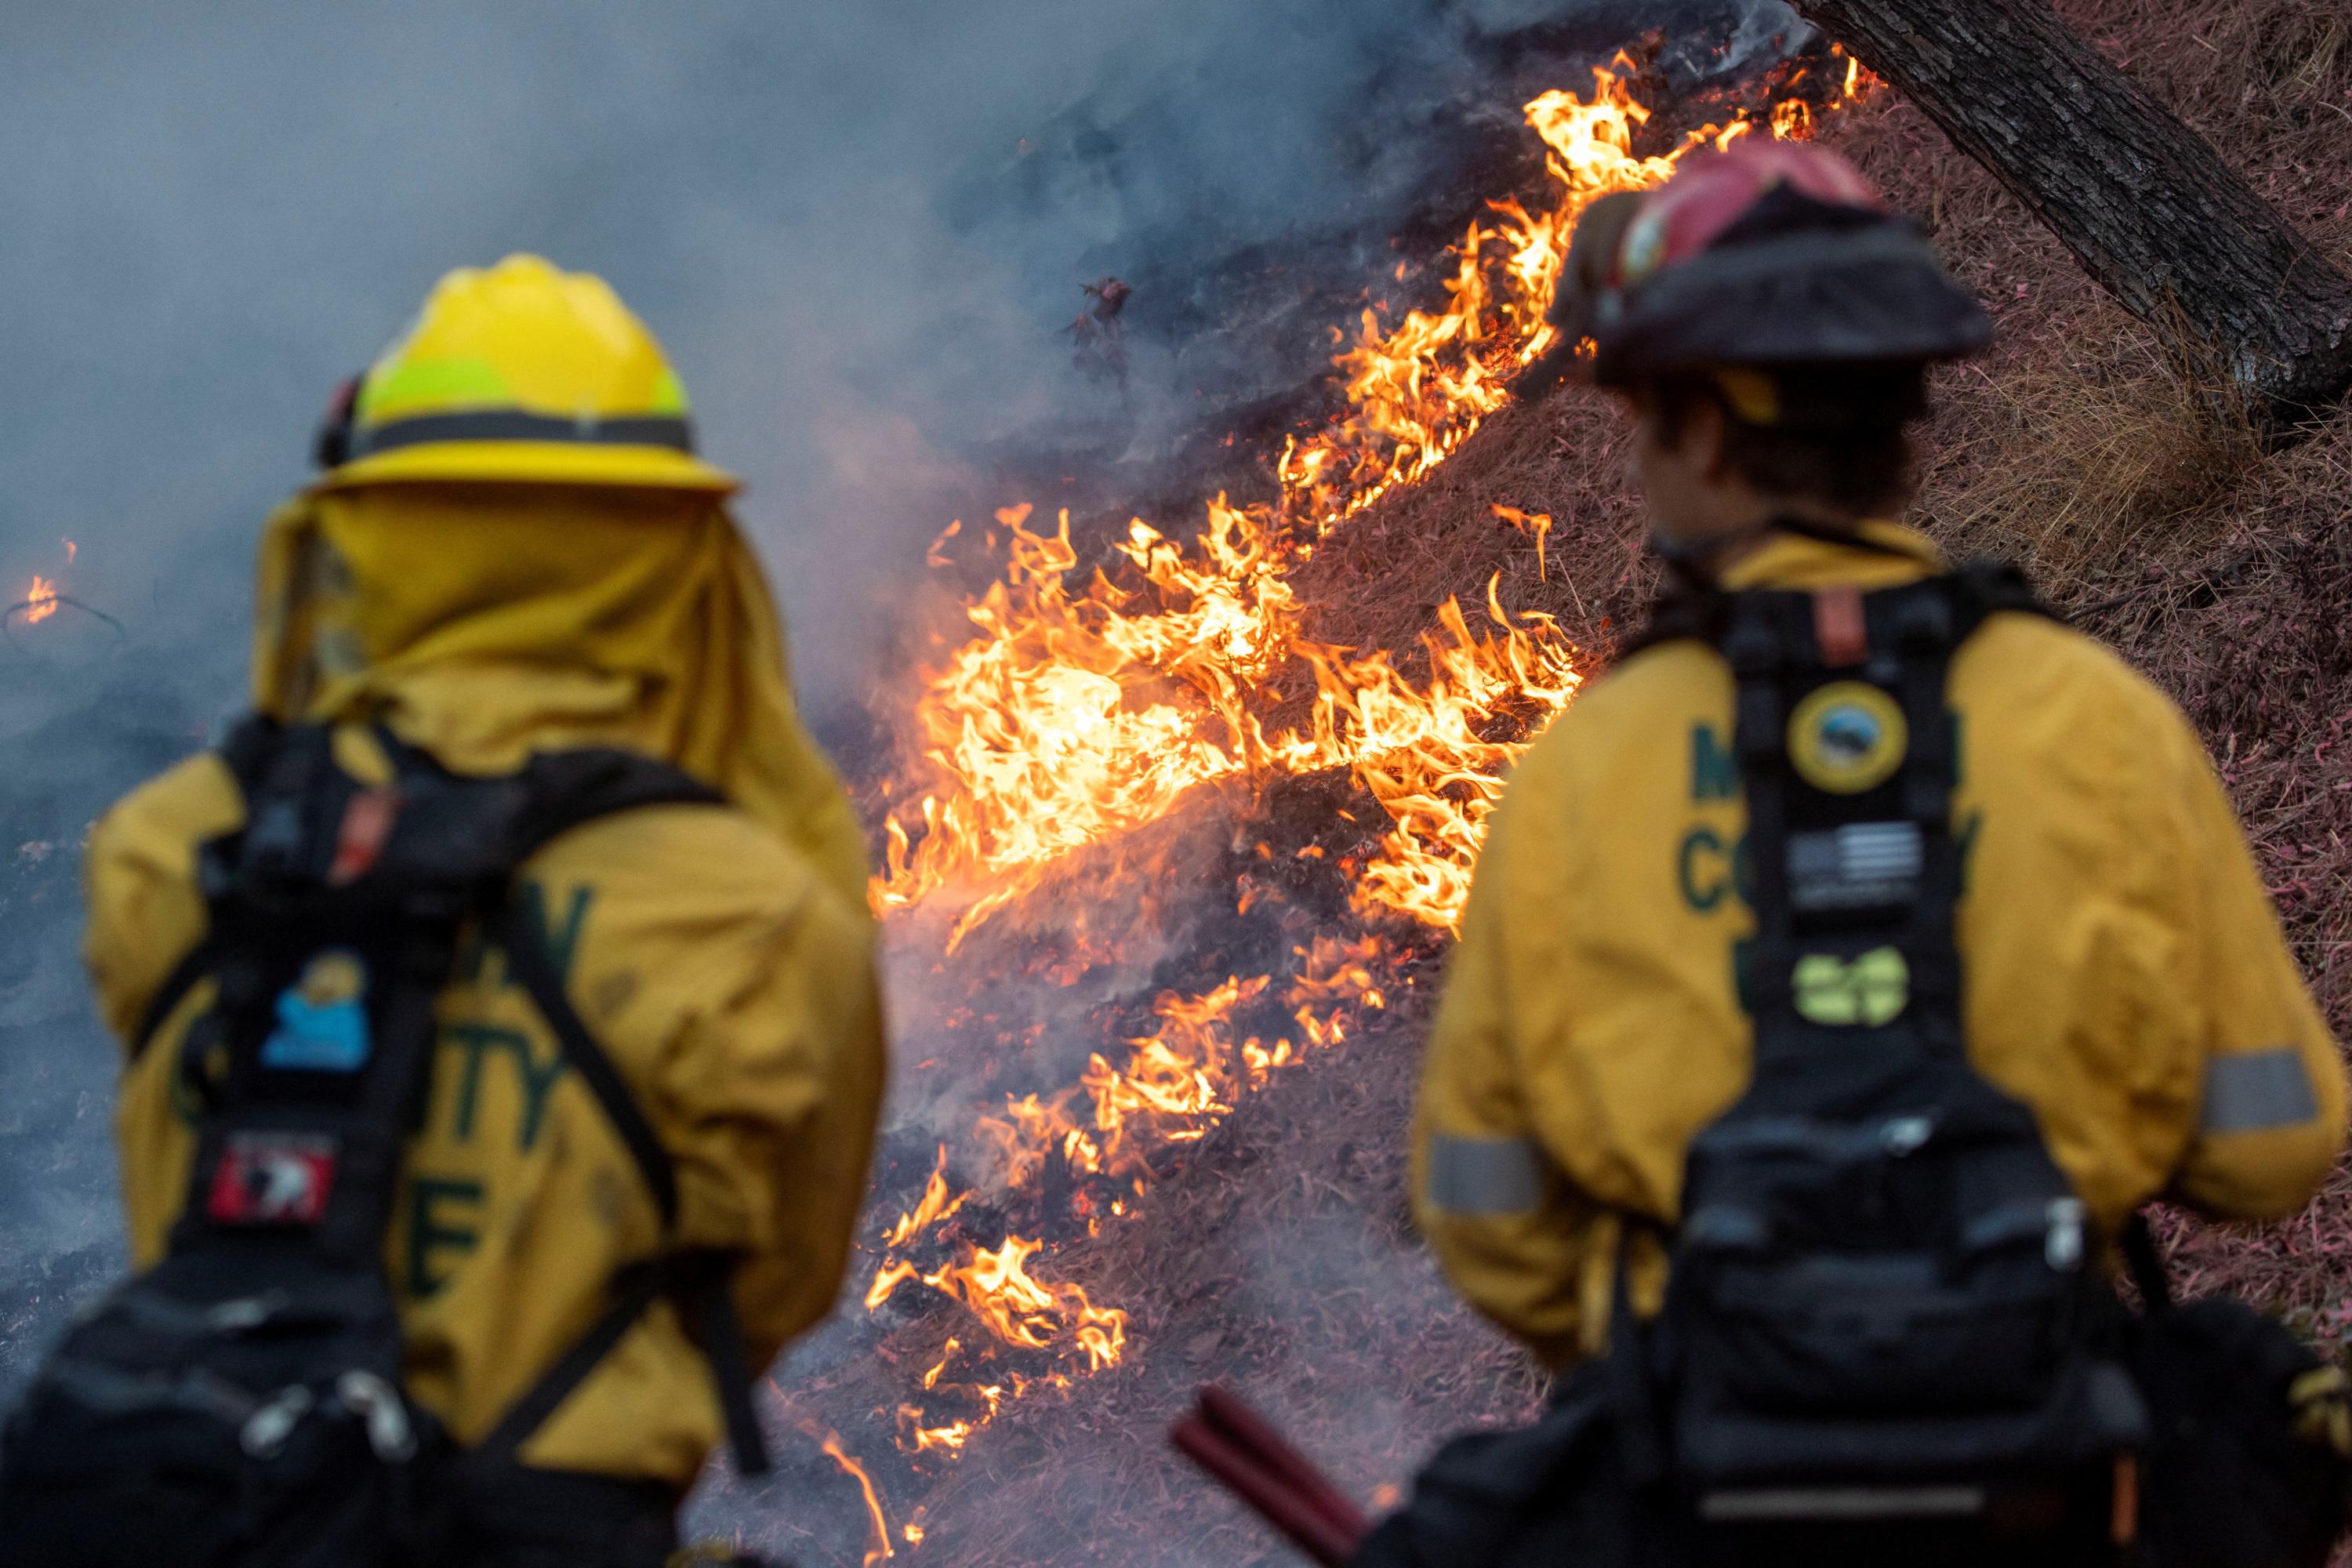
1847, 737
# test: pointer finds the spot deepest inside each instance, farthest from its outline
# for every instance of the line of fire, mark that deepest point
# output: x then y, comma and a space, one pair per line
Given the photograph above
1115, 702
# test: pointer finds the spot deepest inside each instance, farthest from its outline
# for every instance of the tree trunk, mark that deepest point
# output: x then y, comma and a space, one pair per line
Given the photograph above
2145, 202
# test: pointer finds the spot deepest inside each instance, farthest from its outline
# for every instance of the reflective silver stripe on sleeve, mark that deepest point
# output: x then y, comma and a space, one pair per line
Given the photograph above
1484, 1175
2253, 1090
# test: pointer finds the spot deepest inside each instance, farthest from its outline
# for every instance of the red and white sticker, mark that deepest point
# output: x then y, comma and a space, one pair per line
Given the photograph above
272, 1178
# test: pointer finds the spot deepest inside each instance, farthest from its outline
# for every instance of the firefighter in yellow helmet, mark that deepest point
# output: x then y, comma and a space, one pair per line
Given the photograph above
514, 557
1854, 853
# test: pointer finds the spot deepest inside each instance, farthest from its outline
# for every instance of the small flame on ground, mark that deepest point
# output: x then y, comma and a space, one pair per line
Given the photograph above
936, 1207
878, 1527
40, 601
1535, 525
1016, 1307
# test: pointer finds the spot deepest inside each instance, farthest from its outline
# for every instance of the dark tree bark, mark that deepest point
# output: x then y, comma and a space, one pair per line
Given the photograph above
2145, 202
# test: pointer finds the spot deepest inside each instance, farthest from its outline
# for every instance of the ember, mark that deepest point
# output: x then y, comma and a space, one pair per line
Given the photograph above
41, 600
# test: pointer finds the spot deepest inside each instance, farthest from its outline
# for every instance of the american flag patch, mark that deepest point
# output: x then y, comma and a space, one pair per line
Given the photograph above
1853, 867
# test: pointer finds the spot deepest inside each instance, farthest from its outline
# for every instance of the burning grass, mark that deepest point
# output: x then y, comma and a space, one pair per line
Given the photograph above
1083, 707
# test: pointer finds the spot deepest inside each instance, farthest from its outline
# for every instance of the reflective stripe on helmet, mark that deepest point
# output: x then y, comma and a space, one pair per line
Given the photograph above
514, 425
400, 387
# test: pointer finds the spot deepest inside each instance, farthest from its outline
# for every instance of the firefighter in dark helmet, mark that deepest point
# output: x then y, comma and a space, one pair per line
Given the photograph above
513, 558
1845, 813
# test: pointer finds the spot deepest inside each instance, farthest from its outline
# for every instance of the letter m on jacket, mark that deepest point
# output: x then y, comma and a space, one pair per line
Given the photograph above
1714, 774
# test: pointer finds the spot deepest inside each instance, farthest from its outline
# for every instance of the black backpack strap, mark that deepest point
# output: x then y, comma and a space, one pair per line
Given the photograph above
1982, 588
1688, 607
245, 752
1631, 1369
566, 790
1754, 644
2145, 1260
1784, 648
529, 963
701, 1284
1926, 633
635, 1291
194, 965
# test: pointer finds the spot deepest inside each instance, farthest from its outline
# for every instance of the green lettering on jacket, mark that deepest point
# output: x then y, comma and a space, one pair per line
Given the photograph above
1701, 869
1715, 775
562, 944
432, 1232
536, 1077
1706, 870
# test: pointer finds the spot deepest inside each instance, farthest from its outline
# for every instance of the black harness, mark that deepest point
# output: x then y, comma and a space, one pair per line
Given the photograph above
1887, 1339
450, 853
1884, 1308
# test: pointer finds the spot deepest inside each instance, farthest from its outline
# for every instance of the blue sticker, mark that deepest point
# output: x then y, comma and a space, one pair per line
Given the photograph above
323, 1018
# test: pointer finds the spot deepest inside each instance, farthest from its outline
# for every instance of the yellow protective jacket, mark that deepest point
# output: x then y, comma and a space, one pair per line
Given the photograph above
2125, 976
722, 957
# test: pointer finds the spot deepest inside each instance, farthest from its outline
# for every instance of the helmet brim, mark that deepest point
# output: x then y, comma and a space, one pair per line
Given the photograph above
534, 462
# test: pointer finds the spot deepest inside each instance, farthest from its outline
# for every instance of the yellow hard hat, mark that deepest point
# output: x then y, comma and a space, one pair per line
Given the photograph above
518, 372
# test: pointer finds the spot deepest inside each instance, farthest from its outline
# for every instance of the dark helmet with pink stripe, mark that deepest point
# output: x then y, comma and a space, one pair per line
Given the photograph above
1769, 256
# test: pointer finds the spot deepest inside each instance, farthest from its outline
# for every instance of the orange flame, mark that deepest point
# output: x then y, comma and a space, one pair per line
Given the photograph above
1082, 709
935, 1208
878, 1526
1019, 1309
888, 1279
1535, 525
40, 601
